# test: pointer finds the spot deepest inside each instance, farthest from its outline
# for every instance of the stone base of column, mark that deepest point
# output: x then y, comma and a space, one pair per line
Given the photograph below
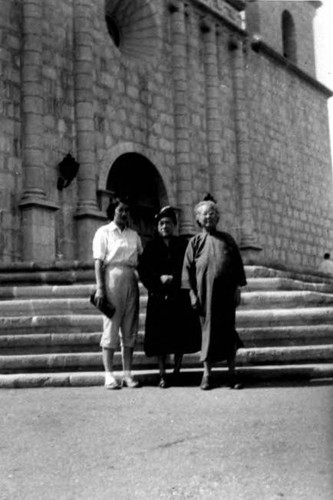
187, 230
88, 220
38, 229
251, 254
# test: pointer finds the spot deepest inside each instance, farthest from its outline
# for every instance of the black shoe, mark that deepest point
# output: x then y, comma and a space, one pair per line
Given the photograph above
163, 383
205, 383
234, 383
176, 378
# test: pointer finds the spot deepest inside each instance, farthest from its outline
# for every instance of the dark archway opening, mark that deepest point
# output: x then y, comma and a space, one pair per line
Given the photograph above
134, 176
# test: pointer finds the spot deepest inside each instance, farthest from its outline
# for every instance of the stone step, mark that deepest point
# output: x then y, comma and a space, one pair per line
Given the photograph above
87, 322
83, 290
253, 271
285, 299
46, 306
25, 325
36, 343
51, 291
48, 277
45, 291
286, 335
270, 284
75, 299
93, 361
284, 317
56, 323
70, 272
42, 343
259, 307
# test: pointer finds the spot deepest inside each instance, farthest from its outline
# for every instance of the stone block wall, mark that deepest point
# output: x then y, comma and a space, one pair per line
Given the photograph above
290, 158
10, 130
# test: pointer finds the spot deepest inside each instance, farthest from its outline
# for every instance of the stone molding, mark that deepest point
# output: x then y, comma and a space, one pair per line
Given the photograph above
259, 46
228, 16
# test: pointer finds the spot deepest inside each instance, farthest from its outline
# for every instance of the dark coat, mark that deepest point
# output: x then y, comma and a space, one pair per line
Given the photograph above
171, 324
213, 269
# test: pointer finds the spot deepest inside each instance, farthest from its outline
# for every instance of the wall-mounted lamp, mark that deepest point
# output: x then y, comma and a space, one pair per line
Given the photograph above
68, 169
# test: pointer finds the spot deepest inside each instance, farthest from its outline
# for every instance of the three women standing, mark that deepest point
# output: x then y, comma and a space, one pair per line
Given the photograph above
205, 273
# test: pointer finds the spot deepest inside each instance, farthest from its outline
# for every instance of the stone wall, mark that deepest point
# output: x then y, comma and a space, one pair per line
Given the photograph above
290, 157
10, 131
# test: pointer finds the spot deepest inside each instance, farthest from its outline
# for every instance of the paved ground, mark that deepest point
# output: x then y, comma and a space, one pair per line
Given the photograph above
264, 443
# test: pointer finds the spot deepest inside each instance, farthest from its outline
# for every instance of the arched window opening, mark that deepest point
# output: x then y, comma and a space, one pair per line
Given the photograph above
289, 37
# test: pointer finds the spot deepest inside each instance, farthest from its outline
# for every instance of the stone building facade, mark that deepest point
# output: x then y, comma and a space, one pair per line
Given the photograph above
162, 100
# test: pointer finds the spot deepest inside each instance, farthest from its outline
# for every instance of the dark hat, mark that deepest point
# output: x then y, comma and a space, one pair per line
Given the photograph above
166, 211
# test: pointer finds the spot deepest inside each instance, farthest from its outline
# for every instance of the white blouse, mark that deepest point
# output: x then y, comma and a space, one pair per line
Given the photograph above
116, 247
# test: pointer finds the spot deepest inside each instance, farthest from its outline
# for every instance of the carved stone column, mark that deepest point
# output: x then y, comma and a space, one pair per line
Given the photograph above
88, 215
38, 214
214, 132
182, 138
248, 244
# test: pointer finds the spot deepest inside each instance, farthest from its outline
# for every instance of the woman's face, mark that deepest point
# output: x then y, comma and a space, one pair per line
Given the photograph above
208, 217
121, 215
165, 227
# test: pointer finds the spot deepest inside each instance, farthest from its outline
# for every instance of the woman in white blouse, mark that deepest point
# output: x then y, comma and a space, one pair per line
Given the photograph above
116, 249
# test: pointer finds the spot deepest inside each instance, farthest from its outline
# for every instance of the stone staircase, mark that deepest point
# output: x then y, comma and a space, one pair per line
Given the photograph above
49, 331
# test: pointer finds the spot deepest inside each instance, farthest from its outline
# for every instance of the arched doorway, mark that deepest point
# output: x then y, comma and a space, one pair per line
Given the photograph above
135, 176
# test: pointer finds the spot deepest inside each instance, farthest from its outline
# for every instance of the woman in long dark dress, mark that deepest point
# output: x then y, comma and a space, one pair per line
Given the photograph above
213, 272
172, 327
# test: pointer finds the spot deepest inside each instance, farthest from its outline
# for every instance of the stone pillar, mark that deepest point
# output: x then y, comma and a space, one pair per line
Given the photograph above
38, 214
214, 132
248, 242
182, 137
88, 215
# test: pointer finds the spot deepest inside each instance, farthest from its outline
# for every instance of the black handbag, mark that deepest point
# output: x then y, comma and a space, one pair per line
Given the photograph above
105, 306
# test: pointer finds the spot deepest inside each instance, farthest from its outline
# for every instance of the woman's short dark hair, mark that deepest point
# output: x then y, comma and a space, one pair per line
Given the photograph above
114, 203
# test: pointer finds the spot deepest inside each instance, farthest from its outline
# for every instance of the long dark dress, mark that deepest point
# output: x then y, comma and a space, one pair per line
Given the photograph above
213, 269
172, 327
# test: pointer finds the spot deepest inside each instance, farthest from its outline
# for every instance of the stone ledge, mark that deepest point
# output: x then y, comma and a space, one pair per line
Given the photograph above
251, 375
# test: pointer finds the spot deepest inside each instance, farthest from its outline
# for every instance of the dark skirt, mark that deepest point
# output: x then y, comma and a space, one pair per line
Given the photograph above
220, 339
172, 327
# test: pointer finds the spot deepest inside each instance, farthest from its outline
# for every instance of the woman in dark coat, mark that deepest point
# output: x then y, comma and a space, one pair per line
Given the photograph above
172, 327
213, 272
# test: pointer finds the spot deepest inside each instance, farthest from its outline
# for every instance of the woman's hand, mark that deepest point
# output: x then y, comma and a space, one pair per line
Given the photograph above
166, 279
237, 297
194, 301
99, 296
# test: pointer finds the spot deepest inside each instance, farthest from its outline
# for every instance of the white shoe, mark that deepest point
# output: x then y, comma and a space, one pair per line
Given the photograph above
111, 382
130, 382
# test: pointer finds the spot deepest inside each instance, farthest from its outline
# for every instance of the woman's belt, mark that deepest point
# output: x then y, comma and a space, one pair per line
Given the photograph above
126, 266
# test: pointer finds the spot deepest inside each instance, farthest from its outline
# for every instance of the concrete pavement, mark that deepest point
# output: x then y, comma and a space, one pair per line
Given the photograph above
266, 442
